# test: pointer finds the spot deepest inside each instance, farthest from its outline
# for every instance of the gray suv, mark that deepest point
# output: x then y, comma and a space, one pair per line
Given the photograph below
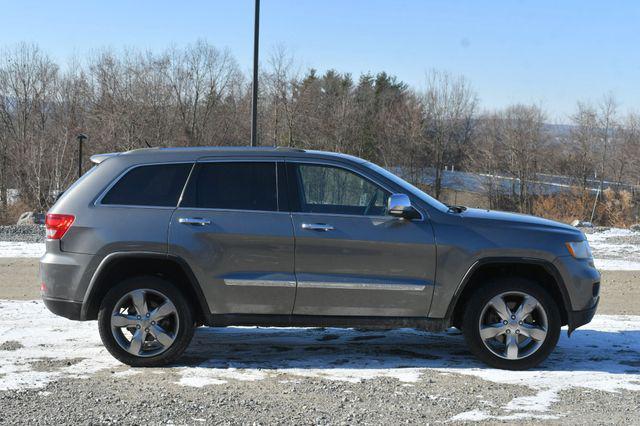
154, 242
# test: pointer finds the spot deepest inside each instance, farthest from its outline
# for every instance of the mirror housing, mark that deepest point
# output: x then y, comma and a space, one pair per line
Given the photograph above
399, 205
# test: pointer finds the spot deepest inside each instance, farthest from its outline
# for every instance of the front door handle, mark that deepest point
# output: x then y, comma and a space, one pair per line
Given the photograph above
317, 227
195, 221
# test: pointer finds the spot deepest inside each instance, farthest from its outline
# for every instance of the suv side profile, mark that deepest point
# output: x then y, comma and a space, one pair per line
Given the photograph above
154, 242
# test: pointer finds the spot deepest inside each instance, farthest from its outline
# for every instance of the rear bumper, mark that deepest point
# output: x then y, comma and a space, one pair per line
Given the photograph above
64, 277
64, 308
580, 318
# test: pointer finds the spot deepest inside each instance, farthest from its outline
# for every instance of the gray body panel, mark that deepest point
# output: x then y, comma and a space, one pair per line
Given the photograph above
243, 260
263, 263
369, 266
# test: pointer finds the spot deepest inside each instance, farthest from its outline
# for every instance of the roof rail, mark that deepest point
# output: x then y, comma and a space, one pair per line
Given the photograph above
288, 148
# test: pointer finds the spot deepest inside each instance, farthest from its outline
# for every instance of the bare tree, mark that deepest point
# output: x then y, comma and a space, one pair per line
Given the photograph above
583, 144
28, 80
200, 77
449, 108
523, 138
607, 124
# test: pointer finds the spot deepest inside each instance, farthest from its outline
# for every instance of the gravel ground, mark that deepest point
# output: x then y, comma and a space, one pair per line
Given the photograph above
434, 399
22, 233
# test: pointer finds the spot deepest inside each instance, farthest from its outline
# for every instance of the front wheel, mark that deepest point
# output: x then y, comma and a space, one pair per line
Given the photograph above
512, 324
145, 322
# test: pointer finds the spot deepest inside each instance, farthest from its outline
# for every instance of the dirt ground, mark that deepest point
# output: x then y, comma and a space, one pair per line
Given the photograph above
19, 279
620, 290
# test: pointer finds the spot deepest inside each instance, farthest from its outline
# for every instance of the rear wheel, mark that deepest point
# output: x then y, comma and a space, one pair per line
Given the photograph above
512, 324
145, 322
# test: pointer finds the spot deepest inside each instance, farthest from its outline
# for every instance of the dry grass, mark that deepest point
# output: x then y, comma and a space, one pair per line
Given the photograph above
614, 208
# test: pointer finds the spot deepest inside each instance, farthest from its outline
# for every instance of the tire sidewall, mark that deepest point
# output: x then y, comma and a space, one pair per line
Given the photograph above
185, 318
476, 305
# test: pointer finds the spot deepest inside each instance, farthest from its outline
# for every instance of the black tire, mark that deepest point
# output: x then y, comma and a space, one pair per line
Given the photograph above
167, 289
481, 297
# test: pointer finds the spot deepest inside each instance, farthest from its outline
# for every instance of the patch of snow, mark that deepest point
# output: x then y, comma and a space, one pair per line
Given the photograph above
46, 336
616, 265
479, 416
539, 402
615, 249
470, 416
603, 355
19, 249
199, 382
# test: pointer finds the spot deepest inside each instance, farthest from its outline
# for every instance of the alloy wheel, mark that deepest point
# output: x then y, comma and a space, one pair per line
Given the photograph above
144, 322
513, 325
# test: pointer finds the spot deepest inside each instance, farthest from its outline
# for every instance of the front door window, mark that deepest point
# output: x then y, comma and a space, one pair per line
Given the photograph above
333, 190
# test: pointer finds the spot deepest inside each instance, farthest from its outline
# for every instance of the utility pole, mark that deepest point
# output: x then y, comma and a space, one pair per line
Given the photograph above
81, 138
254, 97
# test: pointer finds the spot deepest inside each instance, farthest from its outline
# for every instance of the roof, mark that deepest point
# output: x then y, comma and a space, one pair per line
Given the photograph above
195, 152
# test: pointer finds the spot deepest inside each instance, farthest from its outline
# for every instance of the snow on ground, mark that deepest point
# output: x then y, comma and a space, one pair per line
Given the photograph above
20, 249
615, 249
37, 347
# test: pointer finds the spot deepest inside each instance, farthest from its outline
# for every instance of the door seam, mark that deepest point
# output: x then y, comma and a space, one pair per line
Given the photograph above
295, 273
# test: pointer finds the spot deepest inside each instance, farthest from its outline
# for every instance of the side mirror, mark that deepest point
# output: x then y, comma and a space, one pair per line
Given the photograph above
400, 206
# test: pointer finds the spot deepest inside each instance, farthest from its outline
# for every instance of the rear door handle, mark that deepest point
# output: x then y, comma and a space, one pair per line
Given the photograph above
317, 227
195, 221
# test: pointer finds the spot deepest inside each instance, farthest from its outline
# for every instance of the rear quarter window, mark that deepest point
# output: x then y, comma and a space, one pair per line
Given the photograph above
154, 185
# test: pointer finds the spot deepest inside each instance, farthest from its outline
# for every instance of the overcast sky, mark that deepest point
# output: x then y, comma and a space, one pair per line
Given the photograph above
551, 53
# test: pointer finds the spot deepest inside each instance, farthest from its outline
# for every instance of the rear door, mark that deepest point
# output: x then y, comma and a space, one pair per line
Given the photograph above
352, 259
235, 232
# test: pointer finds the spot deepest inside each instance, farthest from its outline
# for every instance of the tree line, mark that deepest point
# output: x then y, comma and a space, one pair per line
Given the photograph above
198, 95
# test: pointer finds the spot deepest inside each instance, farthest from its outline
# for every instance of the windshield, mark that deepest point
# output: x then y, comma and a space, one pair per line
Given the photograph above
411, 188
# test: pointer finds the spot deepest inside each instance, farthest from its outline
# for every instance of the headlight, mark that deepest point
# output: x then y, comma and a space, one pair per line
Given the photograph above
580, 250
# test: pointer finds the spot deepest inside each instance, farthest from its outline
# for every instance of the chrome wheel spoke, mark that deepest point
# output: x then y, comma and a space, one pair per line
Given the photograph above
138, 297
137, 341
162, 311
492, 330
512, 349
526, 307
120, 320
501, 308
164, 338
535, 332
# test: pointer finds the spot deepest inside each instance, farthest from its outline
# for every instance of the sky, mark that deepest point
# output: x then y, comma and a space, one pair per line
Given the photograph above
551, 53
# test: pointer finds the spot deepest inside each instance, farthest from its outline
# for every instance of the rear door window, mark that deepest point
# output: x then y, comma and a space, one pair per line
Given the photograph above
154, 185
233, 186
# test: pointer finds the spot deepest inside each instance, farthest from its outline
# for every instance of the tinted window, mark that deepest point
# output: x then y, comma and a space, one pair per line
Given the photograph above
326, 189
157, 185
238, 186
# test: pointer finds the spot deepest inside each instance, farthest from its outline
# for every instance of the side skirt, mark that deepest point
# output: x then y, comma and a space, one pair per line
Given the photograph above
378, 323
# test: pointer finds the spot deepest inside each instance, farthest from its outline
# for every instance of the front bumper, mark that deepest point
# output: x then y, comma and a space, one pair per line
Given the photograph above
580, 318
582, 289
64, 308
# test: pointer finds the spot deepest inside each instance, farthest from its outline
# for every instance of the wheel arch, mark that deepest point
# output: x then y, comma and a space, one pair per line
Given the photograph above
121, 265
542, 271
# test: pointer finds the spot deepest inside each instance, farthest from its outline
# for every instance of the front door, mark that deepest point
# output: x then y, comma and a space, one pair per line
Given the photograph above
236, 236
352, 259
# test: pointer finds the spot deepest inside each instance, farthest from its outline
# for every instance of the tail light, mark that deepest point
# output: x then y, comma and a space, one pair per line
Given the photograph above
57, 225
